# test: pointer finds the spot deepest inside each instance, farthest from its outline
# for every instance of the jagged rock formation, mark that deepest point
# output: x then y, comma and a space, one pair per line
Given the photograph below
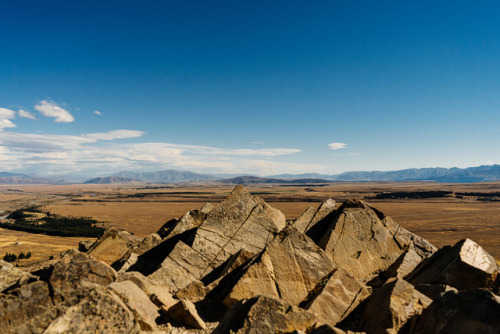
240, 267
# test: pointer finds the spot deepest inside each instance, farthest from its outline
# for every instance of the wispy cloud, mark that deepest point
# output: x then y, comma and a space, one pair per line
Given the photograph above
58, 154
336, 146
51, 109
115, 134
26, 114
267, 152
97, 112
5, 116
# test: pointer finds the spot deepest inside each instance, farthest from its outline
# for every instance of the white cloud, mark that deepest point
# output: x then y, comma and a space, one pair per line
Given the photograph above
97, 112
336, 146
51, 109
5, 116
267, 152
115, 134
26, 114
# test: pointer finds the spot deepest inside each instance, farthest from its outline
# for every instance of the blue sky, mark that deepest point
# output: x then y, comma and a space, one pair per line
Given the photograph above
248, 87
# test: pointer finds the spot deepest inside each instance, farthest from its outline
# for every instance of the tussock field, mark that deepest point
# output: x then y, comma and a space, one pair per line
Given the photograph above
143, 209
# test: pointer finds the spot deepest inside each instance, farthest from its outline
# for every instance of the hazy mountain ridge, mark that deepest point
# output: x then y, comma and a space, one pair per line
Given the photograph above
111, 179
438, 174
456, 175
166, 176
255, 179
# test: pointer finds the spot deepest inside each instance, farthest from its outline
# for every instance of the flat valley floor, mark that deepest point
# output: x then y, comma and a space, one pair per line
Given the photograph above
143, 209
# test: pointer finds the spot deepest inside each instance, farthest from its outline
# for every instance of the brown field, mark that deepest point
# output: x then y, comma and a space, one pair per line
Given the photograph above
143, 209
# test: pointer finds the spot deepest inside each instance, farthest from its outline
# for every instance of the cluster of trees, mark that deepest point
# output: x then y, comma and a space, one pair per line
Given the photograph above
11, 257
52, 224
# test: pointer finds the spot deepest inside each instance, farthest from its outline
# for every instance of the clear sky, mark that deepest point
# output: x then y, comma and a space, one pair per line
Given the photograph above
260, 87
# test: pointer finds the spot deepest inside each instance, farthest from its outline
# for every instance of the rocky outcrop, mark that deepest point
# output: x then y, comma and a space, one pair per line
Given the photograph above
466, 265
354, 269
238, 222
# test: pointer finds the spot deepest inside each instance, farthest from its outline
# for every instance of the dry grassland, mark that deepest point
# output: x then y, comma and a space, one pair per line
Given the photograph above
142, 210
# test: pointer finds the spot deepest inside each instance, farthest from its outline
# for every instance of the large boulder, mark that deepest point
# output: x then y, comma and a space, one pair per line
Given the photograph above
361, 239
261, 315
335, 297
76, 274
113, 245
466, 265
143, 309
240, 222
99, 312
184, 312
475, 311
289, 267
28, 309
388, 308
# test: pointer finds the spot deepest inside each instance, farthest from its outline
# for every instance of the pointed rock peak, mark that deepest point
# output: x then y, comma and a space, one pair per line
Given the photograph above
353, 203
239, 191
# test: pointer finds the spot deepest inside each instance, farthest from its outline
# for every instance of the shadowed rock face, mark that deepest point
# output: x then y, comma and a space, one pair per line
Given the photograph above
360, 239
390, 307
288, 268
347, 271
474, 311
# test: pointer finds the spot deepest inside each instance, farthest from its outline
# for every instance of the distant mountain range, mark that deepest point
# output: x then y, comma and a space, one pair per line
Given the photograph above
173, 176
255, 179
111, 179
451, 175
17, 178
